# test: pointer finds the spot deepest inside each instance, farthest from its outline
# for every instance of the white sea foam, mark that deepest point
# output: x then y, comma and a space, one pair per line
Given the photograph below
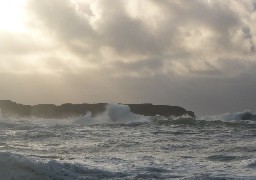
34, 120
245, 115
114, 113
176, 148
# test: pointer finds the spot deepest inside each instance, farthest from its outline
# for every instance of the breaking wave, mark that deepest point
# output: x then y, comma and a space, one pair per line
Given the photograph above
185, 120
121, 114
114, 113
245, 115
15, 166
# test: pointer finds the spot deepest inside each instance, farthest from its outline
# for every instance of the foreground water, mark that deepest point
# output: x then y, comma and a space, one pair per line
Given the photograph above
155, 149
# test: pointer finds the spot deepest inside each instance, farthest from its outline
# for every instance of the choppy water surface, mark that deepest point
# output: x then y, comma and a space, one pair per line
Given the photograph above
173, 149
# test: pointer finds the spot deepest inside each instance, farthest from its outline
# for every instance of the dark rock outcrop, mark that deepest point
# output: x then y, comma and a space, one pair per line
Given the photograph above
9, 108
163, 110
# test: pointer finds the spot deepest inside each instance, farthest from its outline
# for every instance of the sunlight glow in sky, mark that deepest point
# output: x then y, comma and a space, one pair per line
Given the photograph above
12, 15
192, 53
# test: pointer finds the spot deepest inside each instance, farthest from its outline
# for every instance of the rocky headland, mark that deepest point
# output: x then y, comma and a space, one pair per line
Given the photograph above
9, 108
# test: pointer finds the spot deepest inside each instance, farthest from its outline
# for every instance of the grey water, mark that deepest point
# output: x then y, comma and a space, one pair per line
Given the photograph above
152, 148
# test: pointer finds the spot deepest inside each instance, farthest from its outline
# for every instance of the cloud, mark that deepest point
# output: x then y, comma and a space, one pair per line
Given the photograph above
177, 32
21, 44
159, 51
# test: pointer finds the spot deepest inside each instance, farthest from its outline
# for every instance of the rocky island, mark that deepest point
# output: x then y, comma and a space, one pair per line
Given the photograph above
9, 108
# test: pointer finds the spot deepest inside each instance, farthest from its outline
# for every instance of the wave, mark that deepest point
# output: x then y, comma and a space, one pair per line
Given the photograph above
185, 120
219, 177
114, 113
245, 115
121, 114
252, 165
14, 166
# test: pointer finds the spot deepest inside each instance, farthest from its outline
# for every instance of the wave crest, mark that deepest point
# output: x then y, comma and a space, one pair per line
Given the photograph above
245, 115
114, 113
15, 166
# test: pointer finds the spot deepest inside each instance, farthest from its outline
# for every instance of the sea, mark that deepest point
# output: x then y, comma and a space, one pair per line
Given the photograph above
118, 144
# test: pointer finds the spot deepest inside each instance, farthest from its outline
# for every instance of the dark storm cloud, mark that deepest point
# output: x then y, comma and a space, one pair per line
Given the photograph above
109, 24
62, 19
153, 64
74, 28
199, 54
248, 35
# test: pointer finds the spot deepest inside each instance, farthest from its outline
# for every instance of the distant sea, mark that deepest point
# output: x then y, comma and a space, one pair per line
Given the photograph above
122, 145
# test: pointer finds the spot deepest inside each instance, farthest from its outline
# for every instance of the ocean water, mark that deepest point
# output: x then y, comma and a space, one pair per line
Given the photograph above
120, 145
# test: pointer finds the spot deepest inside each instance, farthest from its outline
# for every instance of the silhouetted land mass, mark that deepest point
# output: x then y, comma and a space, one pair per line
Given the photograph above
10, 108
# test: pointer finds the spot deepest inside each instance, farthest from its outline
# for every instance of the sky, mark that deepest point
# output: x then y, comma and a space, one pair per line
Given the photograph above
198, 54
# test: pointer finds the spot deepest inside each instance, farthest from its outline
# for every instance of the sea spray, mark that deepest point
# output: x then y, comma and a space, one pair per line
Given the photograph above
244, 115
114, 113
177, 148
